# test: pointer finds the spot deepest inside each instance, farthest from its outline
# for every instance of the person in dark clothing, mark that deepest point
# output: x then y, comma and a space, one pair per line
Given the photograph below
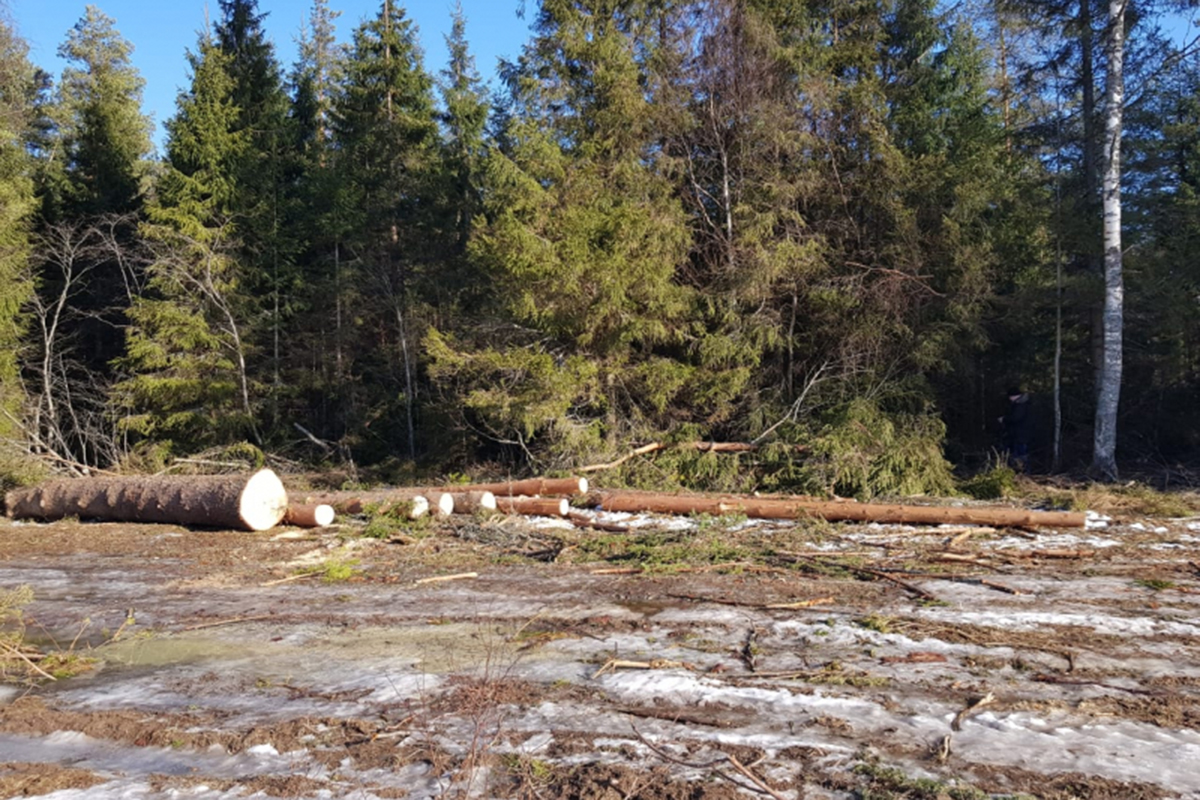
1018, 427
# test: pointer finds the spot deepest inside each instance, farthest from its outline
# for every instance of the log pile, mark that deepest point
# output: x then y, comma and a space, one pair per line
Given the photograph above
416, 502
535, 487
259, 502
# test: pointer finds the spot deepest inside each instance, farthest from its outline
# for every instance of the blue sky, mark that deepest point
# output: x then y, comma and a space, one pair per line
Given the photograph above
161, 30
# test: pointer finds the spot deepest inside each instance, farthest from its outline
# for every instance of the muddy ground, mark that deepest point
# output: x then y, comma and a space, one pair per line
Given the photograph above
676, 658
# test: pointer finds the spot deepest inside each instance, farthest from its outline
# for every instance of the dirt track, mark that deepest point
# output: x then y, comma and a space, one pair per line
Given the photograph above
373, 686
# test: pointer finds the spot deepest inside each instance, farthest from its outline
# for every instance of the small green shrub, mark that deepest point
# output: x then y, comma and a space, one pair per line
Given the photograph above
387, 522
998, 482
1157, 584
860, 450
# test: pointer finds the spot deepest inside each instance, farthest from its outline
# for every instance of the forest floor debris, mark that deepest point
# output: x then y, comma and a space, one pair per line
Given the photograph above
643, 656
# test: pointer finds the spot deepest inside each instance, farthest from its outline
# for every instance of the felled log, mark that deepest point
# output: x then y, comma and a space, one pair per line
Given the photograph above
835, 511
534, 506
546, 487
255, 502
385, 500
309, 515
470, 502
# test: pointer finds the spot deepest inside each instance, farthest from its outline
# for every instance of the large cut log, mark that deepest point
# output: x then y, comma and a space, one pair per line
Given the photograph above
419, 501
547, 487
309, 515
256, 502
534, 506
836, 511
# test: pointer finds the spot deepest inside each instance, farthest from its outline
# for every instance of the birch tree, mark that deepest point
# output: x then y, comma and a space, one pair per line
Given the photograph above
1108, 392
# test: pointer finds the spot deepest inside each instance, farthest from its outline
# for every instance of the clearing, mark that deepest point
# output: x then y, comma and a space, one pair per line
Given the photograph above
677, 658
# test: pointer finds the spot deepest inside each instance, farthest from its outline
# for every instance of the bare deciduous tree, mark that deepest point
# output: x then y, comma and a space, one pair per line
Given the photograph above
66, 419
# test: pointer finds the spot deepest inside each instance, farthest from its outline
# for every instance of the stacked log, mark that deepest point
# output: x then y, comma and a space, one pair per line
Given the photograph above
534, 506
309, 515
255, 503
418, 502
470, 502
534, 487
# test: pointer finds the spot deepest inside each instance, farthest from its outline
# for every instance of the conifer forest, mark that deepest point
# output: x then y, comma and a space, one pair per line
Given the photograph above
834, 231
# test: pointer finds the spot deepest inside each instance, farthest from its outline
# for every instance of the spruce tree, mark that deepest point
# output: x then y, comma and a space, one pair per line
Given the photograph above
18, 83
106, 138
188, 350
386, 136
315, 79
581, 245
464, 117
315, 354
259, 204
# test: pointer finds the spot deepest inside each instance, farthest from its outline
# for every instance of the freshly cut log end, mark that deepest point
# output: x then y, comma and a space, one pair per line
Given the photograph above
470, 502
418, 506
263, 502
309, 515
441, 503
253, 503
413, 502
534, 506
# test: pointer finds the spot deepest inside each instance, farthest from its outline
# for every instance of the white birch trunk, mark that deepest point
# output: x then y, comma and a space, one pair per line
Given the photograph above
1108, 392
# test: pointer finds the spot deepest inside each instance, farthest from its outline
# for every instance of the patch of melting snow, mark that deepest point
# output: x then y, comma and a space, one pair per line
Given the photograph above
1094, 519
133, 765
1033, 620
1120, 750
548, 523
1123, 750
1063, 540
84, 752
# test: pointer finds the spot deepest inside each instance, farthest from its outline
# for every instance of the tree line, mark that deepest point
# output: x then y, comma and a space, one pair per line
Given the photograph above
833, 229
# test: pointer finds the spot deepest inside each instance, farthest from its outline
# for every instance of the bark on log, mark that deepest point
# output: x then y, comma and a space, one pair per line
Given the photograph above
534, 506
837, 511
349, 502
546, 487
441, 504
256, 502
309, 515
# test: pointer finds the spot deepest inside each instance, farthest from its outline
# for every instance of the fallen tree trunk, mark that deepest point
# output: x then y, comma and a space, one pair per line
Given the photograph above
256, 502
702, 447
546, 487
309, 515
835, 511
534, 506
384, 500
